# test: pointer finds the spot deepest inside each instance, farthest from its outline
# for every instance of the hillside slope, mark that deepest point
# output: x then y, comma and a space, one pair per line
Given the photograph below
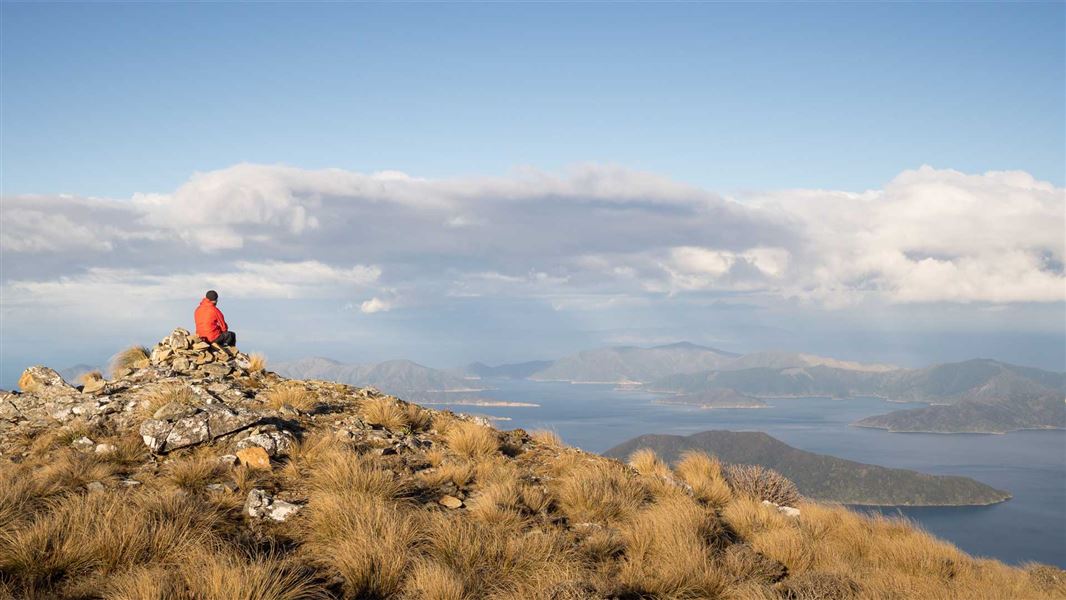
820, 476
196, 474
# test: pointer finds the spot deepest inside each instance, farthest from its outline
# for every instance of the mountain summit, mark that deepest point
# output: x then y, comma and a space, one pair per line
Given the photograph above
195, 473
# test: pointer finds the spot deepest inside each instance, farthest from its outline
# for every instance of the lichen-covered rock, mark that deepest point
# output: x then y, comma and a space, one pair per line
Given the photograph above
216, 370
154, 432
262, 505
93, 385
172, 411
276, 443
188, 431
39, 379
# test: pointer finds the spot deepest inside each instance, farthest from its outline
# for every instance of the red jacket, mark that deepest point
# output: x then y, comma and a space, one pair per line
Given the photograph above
209, 320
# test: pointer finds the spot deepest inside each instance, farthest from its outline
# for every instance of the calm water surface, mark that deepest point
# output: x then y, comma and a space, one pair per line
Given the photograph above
1031, 465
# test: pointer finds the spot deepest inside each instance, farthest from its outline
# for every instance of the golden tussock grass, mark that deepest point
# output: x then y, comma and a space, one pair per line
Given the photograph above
458, 473
367, 541
129, 357
703, 473
668, 551
599, 491
194, 471
90, 377
385, 411
257, 362
163, 395
292, 394
547, 437
470, 439
27, 383
344, 472
431, 581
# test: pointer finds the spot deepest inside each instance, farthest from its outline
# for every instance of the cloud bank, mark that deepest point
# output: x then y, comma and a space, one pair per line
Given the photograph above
594, 235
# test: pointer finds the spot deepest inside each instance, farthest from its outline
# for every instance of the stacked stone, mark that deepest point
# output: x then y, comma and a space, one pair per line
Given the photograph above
185, 354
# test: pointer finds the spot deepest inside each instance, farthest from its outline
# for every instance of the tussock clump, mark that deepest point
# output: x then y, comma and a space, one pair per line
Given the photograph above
368, 542
194, 472
1047, 578
599, 492
703, 473
743, 563
762, 483
819, 586
457, 473
257, 362
385, 411
418, 418
90, 377
129, 358
165, 394
431, 581
668, 551
356, 476
470, 439
647, 463
547, 437
27, 383
291, 394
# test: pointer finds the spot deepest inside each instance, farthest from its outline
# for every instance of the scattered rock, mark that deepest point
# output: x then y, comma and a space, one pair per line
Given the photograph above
261, 505
83, 444
788, 511
448, 501
105, 449
276, 443
39, 379
254, 457
228, 459
228, 486
95, 486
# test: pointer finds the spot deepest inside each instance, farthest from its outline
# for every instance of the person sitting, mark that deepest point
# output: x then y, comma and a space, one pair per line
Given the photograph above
210, 324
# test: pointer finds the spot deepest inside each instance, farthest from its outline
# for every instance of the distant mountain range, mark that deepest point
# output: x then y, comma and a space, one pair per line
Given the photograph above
523, 370
632, 364
820, 476
395, 376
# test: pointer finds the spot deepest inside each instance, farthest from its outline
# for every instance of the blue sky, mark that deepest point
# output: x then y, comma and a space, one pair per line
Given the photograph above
506, 182
112, 99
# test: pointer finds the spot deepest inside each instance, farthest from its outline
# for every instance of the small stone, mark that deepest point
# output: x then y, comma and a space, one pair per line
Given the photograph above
181, 364
201, 345
142, 364
105, 449
95, 486
262, 505
254, 457
216, 369
203, 358
449, 501
228, 459
274, 442
83, 443
154, 432
130, 482
387, 451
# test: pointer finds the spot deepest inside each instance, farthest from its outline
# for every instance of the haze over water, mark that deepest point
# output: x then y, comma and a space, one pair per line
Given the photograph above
1031, 465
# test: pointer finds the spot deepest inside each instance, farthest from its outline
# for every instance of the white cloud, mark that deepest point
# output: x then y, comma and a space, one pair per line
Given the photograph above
594, 232
375, 305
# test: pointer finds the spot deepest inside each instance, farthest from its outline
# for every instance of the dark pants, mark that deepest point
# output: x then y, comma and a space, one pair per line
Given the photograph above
226, 338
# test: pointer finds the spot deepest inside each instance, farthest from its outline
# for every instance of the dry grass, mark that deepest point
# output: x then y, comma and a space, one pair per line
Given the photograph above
599, 491
165, 394
129, 357
552, 523
27, 383
703, 473
547, 437
668, 551
257, 362
292, 394
356, 476
385, 411
762, 483
366, 541
418, 418
90, 377
470, 439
